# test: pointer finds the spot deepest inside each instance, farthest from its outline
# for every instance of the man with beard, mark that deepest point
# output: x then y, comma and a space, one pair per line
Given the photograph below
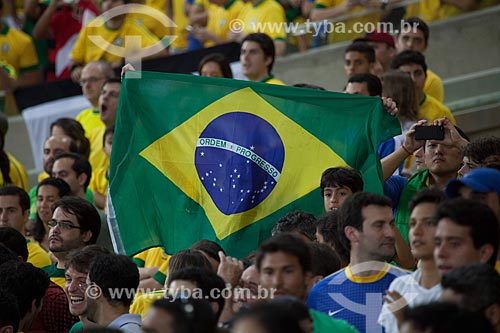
75, 223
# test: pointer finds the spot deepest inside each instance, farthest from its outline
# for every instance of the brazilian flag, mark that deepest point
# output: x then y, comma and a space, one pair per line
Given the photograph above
207, 158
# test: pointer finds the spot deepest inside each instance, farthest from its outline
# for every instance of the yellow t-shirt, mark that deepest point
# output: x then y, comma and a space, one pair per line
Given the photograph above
37, 256
55, 274
431, 109
17, 173
219, 18
434, 86
266, 16
85, 50
153, 257
346, 33
17, 56
272, 80
181, 21
99, 181
142, 303
90, 120
97, 157
149, 21
427, 10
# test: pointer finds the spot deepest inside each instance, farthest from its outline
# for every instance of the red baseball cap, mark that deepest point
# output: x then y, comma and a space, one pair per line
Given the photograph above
376, 36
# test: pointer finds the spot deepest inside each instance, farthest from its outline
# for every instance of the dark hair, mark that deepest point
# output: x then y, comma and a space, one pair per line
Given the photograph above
481, 148
24, 199
80, 259
327, 226
188, 315
296, 221
324, 259
115, 271
493, 162
75, 131
220, 60
113, 80
343, 177
266, 44
409, 57
272, 317
477, 217
80, 166
86, 214
479, 285
350, 214
289, 244
184, 259
438, 317
308, 85
15, 241
363, 48
4, 159
9, 311
419, 24
109, 130
372, 83
399, 86
426, 195
206, 280
37, 230
26, 282
210, 248
7, 254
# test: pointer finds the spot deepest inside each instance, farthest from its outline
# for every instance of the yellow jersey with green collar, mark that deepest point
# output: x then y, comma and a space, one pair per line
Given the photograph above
55, 274
153, 257
85, 50
266, 16
354, 298
433, 86
220, 18
431, 109
36, 255
90, 120
272, 80
98, 159
142, 303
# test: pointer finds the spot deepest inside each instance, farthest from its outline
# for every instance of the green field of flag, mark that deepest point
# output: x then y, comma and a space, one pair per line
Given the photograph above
205, 158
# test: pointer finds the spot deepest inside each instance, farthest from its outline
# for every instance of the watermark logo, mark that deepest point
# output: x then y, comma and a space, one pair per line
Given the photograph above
93, 291
130, 47
316, 28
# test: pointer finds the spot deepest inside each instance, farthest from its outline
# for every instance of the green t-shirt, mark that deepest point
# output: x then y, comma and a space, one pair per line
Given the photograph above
77, 327
325, 324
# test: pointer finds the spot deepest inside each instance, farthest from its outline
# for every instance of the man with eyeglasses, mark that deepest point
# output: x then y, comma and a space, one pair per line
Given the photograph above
14, 213
108, 105
75, 223
94, 74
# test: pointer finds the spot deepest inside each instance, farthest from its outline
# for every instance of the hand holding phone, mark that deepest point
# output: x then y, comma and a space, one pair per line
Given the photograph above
429, 133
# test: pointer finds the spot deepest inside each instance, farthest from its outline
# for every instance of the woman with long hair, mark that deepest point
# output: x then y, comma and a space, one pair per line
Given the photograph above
399, 86
73, 129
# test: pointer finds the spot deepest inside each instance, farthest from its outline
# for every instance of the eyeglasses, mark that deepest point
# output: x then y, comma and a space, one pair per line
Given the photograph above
64, 225
91, 79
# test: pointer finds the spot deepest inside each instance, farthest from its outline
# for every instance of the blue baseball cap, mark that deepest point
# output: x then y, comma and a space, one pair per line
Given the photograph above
482, 180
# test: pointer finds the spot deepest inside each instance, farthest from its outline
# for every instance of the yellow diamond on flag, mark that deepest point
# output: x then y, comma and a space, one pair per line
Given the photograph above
241, 160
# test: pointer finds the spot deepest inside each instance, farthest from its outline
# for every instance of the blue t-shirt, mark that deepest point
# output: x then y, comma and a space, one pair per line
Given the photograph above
357, 300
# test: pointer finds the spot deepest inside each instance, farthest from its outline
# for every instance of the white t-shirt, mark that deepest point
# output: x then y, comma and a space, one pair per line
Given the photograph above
409, 287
